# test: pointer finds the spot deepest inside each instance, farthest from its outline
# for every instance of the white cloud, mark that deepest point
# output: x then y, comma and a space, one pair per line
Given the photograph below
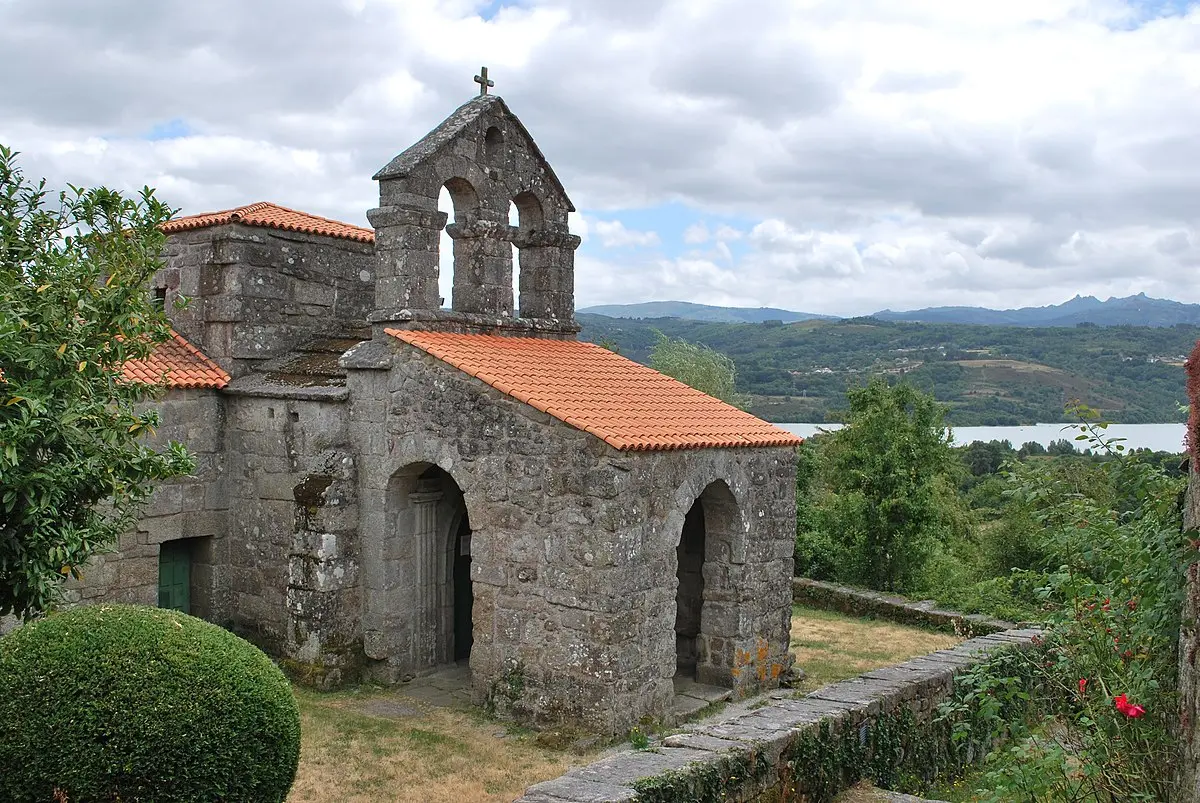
696, 234
613, 234
890, 154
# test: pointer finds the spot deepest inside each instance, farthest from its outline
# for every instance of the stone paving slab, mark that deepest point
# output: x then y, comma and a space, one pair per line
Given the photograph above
624, 768
575, 790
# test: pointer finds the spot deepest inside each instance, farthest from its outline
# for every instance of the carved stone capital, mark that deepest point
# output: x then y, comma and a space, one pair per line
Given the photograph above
546, 238
480, 230
385, 216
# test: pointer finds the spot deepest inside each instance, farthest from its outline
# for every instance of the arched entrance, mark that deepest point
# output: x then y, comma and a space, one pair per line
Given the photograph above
423, 599
703, 595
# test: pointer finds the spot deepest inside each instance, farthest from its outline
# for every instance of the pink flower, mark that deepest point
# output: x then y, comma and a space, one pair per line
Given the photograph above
1127, 708
1082, 686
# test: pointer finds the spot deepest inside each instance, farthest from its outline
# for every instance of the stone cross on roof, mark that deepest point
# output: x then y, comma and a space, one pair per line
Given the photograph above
483, 81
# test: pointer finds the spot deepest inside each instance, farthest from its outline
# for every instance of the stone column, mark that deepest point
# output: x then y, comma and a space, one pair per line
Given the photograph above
482, 267
547, 273
406, 255
426, 636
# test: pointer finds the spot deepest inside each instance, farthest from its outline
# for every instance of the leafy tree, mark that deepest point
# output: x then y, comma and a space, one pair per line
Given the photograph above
697, 365
888, 487
73, 309
1061, 447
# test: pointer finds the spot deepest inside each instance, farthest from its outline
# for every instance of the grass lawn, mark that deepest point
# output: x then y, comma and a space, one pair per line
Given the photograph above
831, 646
411, 751
371, 744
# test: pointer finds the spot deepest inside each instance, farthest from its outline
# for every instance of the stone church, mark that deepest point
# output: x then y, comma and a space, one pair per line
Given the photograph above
386, 486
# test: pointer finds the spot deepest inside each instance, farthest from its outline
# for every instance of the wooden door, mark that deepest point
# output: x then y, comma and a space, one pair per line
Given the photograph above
175, 575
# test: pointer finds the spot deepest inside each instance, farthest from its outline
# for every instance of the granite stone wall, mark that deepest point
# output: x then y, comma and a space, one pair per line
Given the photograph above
191, 508
257, 293
292, 532
573, 547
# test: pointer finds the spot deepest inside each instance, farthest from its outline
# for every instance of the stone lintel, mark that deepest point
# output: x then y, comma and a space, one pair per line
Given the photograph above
472, 323
258, 386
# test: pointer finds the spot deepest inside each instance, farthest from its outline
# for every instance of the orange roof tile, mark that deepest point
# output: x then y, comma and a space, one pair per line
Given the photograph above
272, 216
624, 403
179, 364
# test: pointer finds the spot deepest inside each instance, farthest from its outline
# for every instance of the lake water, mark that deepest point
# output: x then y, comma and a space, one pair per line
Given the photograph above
1159, 437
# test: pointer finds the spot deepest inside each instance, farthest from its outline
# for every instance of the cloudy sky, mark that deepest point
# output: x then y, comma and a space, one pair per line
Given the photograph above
835, 157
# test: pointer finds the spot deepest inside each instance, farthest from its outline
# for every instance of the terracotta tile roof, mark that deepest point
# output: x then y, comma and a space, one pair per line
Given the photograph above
272, 216
626, 404
179, 364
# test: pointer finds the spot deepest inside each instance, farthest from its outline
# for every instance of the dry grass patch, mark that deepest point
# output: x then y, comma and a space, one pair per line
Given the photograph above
831, 646
438, 754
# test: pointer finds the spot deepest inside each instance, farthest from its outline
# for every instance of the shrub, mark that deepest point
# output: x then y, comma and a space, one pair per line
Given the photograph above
131, 703
882, 491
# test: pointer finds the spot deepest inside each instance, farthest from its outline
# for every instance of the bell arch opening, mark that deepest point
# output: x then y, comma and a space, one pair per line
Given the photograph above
704, 598
527, 215
427, 594
514, 222
459, 200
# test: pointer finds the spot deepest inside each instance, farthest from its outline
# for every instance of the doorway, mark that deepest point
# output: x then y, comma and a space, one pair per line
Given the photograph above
464, 598
689, 598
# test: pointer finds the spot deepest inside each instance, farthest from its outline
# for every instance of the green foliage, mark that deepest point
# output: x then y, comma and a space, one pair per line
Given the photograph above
986, 375
73, 310
884, 494
697, 365
1115, 559
117, 702
704, 782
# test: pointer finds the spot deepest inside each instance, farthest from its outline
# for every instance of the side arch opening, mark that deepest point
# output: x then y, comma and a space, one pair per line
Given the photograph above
705, 604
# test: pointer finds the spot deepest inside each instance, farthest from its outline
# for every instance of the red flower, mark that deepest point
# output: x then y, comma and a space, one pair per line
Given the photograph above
1127, 708
1082, 686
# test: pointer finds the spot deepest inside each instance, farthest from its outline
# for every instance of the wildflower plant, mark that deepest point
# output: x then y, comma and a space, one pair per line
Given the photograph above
1108, 666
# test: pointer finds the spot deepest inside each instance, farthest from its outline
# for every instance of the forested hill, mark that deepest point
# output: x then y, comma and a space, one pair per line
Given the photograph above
987, 375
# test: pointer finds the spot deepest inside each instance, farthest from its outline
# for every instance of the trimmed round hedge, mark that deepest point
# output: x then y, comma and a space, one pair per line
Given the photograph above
132, 703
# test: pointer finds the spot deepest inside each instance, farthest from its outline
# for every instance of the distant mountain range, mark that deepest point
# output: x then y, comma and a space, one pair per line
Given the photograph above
702, 312
1139, 310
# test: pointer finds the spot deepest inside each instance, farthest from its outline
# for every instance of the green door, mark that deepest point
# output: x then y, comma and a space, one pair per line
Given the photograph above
174, 575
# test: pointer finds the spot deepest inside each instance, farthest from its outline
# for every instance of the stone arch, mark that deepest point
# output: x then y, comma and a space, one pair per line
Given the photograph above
412, 616
710, 544
483, 264
531, 219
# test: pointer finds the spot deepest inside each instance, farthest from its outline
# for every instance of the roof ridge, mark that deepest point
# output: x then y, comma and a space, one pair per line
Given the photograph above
270, 215
628, 405
263, 204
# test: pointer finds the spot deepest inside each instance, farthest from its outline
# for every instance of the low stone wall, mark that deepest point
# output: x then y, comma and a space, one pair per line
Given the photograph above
774, 753
860, 602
